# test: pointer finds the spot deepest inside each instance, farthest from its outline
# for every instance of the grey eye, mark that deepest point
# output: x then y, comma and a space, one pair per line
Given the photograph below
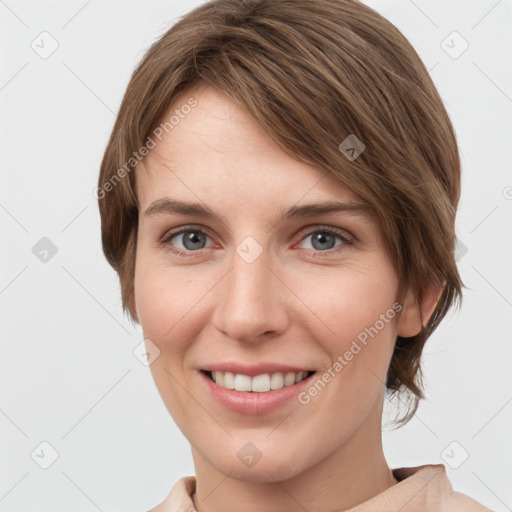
192, 240
322, 240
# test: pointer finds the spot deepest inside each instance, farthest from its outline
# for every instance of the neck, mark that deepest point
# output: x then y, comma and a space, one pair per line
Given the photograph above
353, 474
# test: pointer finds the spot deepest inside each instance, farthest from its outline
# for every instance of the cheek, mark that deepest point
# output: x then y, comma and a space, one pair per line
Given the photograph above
153, 299
357, 330
170, 317
168, 303
347, 301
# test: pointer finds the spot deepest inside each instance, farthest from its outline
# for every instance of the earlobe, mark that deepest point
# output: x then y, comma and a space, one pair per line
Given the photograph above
412, 318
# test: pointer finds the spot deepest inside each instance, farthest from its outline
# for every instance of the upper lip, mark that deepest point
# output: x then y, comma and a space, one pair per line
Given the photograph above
252, 370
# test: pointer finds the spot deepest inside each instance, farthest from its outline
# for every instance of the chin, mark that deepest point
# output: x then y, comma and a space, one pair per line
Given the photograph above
268, 472
269, 468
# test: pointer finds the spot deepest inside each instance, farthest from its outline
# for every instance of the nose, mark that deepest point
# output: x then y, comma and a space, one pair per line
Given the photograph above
251, 301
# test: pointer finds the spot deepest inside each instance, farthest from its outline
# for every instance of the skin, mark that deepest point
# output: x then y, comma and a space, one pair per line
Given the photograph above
297, 303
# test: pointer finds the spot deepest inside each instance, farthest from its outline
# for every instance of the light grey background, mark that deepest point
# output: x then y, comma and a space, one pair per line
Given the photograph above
68, 375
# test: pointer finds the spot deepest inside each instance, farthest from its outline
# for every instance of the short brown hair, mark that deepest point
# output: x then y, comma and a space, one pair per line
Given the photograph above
311, 73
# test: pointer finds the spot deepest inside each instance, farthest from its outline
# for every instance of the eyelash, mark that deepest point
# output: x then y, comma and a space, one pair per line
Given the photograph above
168, 236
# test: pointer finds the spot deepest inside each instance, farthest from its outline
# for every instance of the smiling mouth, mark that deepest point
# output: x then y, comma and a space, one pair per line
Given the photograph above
260, 383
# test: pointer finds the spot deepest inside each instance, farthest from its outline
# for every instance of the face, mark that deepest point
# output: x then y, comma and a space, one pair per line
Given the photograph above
254, 292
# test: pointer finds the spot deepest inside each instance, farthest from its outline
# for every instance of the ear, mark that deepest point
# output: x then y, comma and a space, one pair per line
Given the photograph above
411, 320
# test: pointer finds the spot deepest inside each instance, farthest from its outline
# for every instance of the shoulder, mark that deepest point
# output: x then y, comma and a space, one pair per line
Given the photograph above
435, 489
425, 488
180, 497
459, 501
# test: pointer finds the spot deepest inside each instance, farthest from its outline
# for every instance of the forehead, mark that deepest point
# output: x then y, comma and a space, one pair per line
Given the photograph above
217, 150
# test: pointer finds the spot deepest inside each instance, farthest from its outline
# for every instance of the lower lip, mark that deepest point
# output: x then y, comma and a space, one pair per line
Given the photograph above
252, 402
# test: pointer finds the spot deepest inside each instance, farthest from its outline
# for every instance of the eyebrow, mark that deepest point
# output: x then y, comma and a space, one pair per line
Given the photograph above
168, 205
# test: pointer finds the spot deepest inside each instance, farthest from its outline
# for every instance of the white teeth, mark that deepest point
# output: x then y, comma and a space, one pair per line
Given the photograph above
242, 383
277, 381
260, 383
229, 380
289, 379
219, 378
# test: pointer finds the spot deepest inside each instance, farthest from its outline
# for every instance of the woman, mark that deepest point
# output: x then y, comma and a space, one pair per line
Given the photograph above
278, 197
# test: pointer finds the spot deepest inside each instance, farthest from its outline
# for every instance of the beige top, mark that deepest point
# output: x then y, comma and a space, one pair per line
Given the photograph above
419, 489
